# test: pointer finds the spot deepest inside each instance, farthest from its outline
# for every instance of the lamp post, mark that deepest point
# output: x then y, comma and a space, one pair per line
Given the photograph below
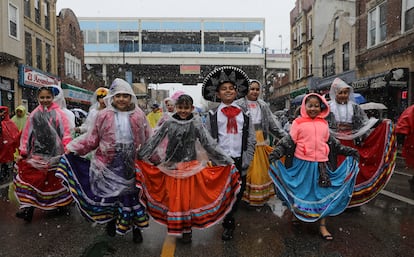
281, 44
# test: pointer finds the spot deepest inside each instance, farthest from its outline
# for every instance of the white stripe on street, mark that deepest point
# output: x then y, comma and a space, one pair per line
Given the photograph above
397, 197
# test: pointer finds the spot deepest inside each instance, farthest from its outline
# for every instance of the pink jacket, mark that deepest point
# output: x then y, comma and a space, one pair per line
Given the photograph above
311, 135
102, 135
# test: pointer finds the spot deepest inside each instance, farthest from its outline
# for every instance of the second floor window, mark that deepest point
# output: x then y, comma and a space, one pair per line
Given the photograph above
328, 63
408, 15
28, 48
345, 57
336, 29
27, 9
13, 21
377, 25
39, 63
37, 12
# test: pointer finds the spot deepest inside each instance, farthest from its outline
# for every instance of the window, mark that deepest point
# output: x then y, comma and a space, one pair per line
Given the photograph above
37, 12
408, 15
39, 53
46, 13
73, 67
48, 58
103, 37
328, 63
299, 64
28, 48
345, 56
309, 27
13, 21
309, 64
27, 9
377, 25
92, 38
336, 29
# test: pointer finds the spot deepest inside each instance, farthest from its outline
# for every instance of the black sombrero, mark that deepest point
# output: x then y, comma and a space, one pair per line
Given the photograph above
225, 74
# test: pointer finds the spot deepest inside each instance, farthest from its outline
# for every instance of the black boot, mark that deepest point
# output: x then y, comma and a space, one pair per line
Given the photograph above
111, 228
187, 238
229, 226
136, 235
26, 214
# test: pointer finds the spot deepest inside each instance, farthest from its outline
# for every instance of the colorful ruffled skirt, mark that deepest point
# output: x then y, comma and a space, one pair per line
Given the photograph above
127, 209
378, 153
40, 188
259, 187
298, 187
182, 203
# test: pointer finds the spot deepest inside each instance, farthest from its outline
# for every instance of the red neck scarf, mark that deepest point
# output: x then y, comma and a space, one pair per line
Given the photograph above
231, 112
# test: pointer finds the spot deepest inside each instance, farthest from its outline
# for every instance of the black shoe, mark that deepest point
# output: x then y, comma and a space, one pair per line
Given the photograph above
26, 214
187, 238
111, 228
229, 226
136, 235
227, 234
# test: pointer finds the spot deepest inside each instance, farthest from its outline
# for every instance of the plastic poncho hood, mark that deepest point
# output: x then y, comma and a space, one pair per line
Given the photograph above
120, 86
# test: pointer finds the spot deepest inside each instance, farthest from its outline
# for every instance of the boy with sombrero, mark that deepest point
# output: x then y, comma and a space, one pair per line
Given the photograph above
230, 125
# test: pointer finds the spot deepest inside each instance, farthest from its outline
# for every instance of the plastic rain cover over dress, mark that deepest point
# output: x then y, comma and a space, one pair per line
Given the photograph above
374, 139
188, 182
43, 139
104, 187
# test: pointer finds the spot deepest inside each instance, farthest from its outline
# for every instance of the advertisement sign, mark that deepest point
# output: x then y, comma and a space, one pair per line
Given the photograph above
189, 69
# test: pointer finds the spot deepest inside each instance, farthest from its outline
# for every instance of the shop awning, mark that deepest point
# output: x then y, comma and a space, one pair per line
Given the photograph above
76, 94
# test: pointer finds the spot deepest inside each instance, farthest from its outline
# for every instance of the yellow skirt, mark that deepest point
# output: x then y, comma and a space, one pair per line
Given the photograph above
259, 186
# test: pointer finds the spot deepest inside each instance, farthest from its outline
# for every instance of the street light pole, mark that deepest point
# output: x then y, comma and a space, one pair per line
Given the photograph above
281, 44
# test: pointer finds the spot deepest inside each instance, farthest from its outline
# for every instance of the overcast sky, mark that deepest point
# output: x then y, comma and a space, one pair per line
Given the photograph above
276, 12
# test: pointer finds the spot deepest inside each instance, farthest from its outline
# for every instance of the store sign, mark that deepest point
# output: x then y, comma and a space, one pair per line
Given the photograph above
32, 77
189, 69
404, 94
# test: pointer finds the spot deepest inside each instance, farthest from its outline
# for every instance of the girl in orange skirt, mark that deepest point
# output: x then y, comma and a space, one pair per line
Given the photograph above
189, 183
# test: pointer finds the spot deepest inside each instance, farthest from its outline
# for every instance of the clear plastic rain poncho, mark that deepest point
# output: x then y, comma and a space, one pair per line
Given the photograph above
94, 109
347, 120
116, 136
60, 100
188, 150
45, 134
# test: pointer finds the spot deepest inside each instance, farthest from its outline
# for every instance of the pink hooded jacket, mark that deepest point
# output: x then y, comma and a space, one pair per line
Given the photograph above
311, 135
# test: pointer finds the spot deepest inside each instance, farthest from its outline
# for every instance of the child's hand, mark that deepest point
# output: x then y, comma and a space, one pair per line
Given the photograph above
275, 155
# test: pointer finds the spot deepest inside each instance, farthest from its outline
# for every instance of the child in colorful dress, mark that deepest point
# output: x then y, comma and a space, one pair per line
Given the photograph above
43, 141
309, 182
182, 189
230, 126
374, 139
104, 188
259, 186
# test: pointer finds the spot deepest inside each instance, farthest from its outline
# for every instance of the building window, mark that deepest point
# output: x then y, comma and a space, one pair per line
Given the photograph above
39, 53
328, 63
345, 57
28, 48
309, 64
91, 37
377, 25
73, 67
27, 9
310, 27
336, 29
103, 37
13, 21
408, 15
37, 12
46, 13
48, 52
299, 67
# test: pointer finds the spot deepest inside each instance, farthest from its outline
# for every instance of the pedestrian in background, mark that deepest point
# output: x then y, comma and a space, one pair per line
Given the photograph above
230, 126
259, 187
9, 141
97, 104
43, 141
104, 187
175, 185
154, 116
309, 182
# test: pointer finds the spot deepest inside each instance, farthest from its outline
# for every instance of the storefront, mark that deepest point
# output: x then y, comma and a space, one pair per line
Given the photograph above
30, 80
7, 93
77, 97
389, 88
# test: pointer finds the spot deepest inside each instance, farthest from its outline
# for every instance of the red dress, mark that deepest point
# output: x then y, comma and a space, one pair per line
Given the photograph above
405, 125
